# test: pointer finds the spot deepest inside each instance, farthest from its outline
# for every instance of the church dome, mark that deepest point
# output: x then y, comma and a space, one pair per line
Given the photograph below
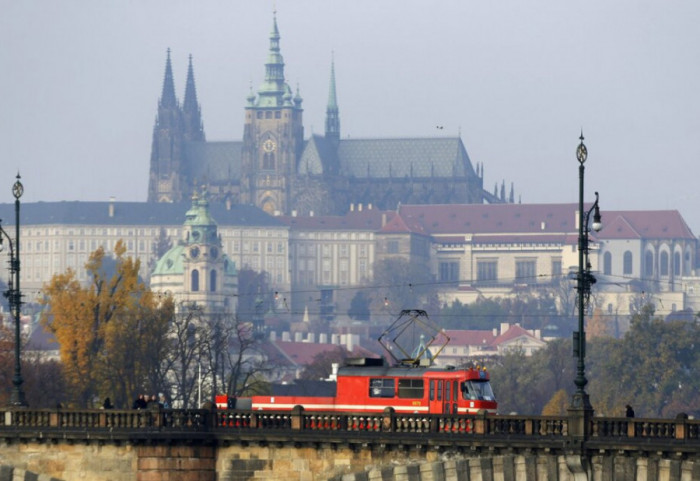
171, 263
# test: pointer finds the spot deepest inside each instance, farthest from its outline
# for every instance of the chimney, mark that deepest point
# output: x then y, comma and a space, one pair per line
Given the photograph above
495, 332
311, 213
311, 338
352, 207
228, 203
334, 339
323, 338
111, 206
504, 327
383, 219
285, 336
273, 336
369, 206
294, 213
350, 341
359, 207
298, 337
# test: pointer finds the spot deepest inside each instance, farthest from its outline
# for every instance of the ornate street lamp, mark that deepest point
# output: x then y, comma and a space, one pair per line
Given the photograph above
14, 295
584, 280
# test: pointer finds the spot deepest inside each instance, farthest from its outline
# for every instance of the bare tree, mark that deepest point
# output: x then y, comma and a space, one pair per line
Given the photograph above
188, 335
235, 357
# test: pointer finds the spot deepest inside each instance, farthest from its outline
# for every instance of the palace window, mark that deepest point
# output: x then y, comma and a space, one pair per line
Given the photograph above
627, 263
663, 263
556, 268
649, 264
526, 271
448, 271
487, 270
607, 263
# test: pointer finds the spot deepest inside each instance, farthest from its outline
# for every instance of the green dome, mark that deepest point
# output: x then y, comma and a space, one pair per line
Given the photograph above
171, 262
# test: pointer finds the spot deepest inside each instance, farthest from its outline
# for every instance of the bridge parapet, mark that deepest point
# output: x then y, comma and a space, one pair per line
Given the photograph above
387, 423
218, 441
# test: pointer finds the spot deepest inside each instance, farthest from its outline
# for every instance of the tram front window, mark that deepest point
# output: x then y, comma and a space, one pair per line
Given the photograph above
477, 390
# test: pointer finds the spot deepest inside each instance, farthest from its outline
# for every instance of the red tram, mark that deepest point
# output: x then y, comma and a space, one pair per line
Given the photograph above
369, 385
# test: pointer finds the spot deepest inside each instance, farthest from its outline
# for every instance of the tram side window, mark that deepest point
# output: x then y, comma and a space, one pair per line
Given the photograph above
411, 389
381, 387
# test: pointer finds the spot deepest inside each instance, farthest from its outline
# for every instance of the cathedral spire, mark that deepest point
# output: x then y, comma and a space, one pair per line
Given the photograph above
332, 115
167, 97
273, 89
191, 109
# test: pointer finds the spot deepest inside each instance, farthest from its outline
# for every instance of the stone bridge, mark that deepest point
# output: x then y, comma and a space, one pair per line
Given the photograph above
200, 445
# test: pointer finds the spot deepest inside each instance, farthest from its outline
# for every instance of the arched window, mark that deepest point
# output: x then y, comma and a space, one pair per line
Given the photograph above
212, 280
607, 263
649, 264
269, 161
627, 263
663, 263
676, 263
195, 280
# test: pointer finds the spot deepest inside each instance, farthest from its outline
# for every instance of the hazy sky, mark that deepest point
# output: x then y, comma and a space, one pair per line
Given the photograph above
517, 79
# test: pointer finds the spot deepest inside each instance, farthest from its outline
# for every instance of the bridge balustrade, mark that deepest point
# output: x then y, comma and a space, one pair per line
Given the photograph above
187, 420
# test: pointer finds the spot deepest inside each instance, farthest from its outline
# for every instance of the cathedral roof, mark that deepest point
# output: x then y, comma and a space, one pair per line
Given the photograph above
215, 162
409, 157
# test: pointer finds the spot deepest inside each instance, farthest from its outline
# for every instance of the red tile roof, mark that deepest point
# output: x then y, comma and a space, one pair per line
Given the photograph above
645, 224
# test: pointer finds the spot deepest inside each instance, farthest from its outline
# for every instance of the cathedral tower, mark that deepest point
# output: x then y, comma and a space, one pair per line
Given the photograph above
175, 125
272, 139
166, 150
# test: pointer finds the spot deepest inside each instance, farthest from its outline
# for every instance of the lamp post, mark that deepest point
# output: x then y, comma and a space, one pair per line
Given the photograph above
584, 280
14, 295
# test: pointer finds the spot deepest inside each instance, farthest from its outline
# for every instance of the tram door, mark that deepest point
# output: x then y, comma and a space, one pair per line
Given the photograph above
443, 396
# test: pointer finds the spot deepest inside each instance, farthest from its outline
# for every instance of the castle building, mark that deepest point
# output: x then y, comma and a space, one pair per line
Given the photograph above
275, 168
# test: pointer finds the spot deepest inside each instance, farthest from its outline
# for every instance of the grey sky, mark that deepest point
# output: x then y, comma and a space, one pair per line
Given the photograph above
518, 79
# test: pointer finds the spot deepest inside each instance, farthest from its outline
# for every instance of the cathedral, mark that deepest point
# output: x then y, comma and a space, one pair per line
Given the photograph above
275, 168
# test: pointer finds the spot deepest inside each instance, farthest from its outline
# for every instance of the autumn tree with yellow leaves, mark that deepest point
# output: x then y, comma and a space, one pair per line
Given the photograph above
112, 332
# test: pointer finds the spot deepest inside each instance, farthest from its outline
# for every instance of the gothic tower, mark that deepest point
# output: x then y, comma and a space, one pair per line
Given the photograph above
273, 138
191, 111
166, 150
169, 179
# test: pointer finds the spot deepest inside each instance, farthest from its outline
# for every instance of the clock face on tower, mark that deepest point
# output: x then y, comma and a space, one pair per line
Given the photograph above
269, 145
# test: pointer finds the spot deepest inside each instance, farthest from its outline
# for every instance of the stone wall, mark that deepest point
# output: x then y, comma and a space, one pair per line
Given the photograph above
38, 461
70, 461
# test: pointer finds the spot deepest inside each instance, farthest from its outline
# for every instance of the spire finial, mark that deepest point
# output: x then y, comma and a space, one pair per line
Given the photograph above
332, 115
167, 97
